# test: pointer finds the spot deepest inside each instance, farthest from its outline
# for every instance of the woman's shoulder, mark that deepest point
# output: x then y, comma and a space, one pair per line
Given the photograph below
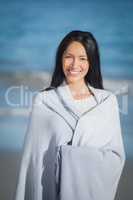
103, 94
41, 95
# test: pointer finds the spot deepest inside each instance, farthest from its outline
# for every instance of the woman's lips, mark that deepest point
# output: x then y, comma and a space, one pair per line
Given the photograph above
74, 72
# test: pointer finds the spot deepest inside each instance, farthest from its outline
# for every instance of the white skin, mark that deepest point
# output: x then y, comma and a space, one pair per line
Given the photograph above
75, 67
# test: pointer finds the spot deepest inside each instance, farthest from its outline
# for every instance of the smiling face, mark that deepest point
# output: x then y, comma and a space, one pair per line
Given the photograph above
75, 62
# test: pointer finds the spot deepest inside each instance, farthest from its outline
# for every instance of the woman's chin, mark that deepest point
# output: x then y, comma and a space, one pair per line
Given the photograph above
73, 79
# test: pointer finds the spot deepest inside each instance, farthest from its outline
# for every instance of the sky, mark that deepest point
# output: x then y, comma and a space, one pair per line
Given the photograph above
30, 32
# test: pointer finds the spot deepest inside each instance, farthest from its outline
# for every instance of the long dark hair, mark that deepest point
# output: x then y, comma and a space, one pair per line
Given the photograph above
93, 77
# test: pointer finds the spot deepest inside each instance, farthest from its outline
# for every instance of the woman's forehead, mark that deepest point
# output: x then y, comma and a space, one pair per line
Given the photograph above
75, 47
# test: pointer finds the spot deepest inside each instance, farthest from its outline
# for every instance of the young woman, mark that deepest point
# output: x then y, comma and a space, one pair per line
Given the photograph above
73, 148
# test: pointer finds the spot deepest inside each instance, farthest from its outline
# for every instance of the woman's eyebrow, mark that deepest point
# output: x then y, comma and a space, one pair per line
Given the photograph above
65, 52
82, 55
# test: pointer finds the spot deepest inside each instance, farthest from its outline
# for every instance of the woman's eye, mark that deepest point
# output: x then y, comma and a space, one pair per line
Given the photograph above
83, 58
67, 57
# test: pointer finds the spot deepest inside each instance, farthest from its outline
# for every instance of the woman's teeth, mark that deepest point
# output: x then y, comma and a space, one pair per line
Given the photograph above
74, 72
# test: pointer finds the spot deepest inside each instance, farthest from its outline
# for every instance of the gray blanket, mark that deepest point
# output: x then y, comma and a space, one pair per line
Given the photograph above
71, 158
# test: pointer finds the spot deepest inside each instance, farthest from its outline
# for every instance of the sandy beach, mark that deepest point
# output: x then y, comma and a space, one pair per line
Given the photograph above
9, 165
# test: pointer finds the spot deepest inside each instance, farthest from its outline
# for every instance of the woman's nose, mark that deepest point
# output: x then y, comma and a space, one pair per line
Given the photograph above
74, 62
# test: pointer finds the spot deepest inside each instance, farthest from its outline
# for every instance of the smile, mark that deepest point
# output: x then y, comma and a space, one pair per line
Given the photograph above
74, 72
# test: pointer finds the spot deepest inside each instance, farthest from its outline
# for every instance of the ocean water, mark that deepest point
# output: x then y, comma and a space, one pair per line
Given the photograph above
30, 32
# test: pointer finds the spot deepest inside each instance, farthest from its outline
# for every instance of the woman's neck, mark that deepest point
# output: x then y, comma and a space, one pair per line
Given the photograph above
79, 89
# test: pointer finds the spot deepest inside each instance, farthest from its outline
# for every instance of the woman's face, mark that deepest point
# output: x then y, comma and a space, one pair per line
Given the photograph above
75, 62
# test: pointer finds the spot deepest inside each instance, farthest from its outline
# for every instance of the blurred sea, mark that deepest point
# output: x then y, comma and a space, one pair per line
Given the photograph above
30, 32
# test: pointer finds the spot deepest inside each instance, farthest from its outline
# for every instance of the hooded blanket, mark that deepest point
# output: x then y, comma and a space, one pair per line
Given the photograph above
68, 156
